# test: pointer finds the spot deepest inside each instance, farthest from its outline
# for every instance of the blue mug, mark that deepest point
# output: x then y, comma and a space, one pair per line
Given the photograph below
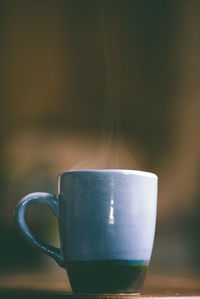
106, 223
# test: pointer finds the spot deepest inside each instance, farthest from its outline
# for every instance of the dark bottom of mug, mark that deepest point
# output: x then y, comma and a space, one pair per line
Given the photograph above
106, 277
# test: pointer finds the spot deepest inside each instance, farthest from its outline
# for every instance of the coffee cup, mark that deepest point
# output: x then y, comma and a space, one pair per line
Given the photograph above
107, 224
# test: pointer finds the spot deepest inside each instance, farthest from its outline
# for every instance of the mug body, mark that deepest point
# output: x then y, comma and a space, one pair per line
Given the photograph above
107, 223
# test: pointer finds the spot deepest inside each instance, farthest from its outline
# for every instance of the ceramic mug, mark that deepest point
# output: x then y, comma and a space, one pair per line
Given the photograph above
106, 223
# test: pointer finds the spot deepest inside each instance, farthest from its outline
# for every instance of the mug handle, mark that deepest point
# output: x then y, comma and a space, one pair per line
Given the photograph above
52, 202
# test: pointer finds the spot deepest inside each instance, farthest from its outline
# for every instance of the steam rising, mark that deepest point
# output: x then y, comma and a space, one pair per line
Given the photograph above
111, 152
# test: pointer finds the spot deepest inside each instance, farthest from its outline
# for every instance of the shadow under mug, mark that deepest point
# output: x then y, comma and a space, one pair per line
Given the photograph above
106, 223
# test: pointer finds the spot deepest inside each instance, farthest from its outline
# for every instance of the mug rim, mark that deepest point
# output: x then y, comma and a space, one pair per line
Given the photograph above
122, 171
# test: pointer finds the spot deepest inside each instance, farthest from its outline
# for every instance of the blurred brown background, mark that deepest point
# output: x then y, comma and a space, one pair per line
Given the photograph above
101, 84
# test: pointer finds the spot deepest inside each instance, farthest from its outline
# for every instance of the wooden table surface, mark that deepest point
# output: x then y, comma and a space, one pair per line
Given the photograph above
56, 285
